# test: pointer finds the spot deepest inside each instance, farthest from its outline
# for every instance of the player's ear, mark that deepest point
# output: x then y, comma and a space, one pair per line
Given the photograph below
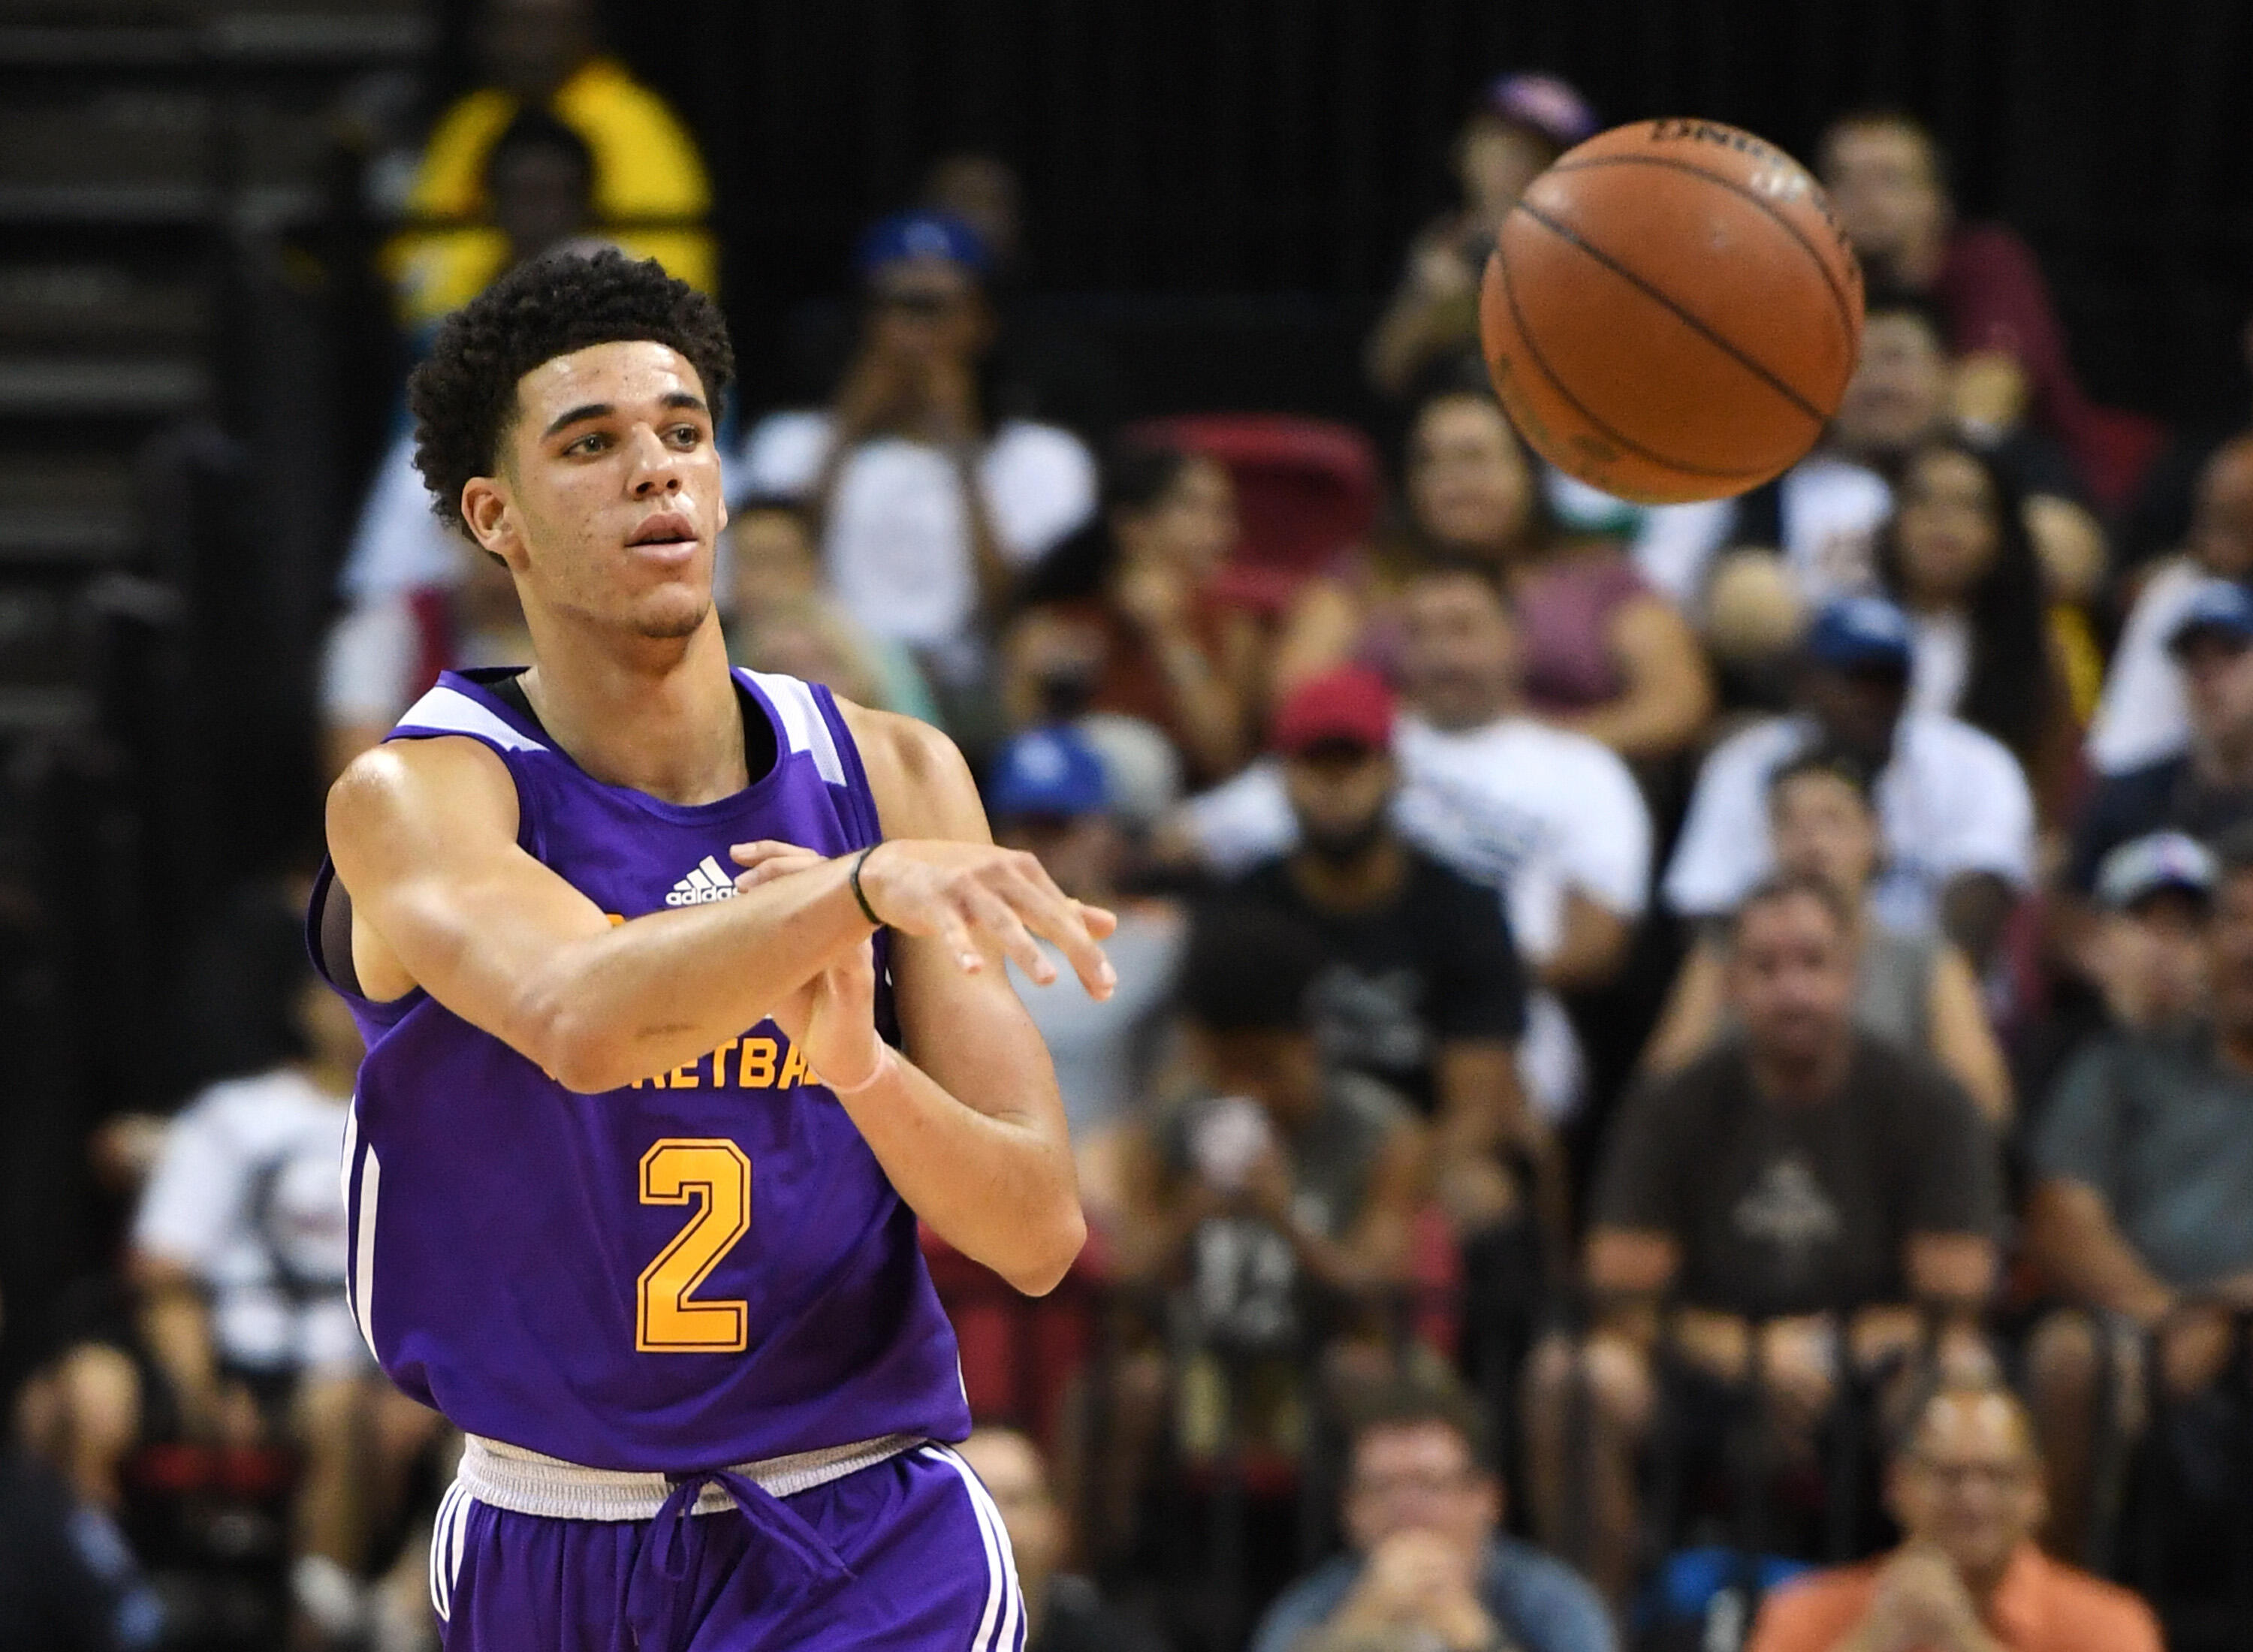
489, 517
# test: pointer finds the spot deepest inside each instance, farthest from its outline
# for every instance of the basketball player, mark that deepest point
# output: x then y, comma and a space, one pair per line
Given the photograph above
648, 1118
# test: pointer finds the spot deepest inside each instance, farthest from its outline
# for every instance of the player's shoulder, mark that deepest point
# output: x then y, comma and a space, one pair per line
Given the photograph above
918, 776
449, 780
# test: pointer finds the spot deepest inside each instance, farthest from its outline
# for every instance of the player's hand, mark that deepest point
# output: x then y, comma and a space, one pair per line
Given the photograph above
832, 1019
767, 860
959, 893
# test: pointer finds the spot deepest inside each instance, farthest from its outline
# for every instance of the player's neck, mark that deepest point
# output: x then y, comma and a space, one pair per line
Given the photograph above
659, 715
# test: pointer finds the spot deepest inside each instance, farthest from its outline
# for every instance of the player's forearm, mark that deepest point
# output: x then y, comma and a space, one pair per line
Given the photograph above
994, 1185
663, 990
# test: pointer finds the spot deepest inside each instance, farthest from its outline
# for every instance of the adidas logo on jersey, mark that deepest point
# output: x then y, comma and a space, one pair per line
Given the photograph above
706, 881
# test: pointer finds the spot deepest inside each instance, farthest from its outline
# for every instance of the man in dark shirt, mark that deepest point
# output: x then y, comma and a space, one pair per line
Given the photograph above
1804, 1184
2141, 1212
1421, 986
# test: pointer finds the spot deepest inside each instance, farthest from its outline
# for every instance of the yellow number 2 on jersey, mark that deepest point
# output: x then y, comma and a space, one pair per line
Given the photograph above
678, 1171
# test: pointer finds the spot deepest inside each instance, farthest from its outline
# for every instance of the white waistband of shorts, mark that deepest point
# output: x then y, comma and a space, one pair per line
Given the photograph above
526, 1483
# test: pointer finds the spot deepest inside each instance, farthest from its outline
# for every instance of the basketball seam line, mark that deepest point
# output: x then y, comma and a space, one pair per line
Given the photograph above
1565, 233
1838, 293
1533, 349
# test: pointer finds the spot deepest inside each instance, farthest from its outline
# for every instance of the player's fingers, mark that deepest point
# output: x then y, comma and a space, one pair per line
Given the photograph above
767, 849
954, 930
1053, 916
1101, 921
999, 917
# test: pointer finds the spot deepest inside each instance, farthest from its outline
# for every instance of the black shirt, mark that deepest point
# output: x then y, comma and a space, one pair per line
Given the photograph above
2164, 796
1800, 1209
1432, 965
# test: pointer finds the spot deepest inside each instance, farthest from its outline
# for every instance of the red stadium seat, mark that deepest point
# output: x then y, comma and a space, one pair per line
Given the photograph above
1307, 489
1019, 1353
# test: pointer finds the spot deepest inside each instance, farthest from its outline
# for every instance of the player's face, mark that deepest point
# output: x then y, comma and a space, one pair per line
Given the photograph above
608, 503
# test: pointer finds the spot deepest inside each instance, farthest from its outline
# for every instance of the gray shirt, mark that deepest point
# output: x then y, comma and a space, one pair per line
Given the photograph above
2163, 1129
1541, 1604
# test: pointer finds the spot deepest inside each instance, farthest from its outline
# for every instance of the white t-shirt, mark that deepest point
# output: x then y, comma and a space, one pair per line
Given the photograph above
2142, 715
898, 547
1940, 662
245, 1196
1530, 810
1952, 800
1832, 509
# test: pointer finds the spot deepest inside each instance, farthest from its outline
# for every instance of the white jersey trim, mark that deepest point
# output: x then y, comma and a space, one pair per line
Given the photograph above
445, 710
802, 722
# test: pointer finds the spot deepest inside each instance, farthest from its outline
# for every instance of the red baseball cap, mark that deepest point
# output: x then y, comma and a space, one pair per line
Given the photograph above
1349, 704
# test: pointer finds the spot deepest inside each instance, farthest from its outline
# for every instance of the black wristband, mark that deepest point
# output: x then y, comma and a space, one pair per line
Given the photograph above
853, 877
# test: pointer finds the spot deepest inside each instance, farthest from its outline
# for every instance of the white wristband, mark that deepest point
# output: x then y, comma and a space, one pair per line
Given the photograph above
883, 1065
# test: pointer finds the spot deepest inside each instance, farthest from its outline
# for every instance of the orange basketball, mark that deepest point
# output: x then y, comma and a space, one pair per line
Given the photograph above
1670, 313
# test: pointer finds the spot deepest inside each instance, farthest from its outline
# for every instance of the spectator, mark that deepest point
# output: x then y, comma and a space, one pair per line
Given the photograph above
1966, 1486
2143, 716
385, 650
1808, 1180
1062, 1613
1429, 1561
239, 1252
1822, 515
1521, 124
2156, 894
1549, 817
1915, 991
2158, 522
1957, 558
1046, 366
1957, 819
1280, 1193
1421, 988
780, 617
2207, 789
1887, 184
931, 506
1605, 655
1048, 794
1135, 626
2142, 1209
68, 1581
649, 190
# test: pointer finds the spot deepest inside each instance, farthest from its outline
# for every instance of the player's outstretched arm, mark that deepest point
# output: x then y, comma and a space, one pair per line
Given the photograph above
967, 1124
423, 835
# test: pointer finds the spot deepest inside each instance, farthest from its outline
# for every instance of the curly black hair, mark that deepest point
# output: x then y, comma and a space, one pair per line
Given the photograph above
464, 395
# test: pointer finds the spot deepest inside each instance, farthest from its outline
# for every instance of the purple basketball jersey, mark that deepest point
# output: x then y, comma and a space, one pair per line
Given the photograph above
704, 1268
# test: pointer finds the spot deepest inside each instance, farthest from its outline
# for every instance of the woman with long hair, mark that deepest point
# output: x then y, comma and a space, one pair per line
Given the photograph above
1956, 556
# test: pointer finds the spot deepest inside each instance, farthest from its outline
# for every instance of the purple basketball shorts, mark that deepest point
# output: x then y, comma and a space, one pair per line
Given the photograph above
908, 1555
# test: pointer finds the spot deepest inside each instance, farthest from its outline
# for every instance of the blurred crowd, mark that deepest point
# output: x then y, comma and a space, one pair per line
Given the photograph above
1627, 1015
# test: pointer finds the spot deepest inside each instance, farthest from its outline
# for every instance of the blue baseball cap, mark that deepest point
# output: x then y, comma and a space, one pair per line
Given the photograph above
921, 235
1860, 633
1050, 772
2217, 608
2144, 866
